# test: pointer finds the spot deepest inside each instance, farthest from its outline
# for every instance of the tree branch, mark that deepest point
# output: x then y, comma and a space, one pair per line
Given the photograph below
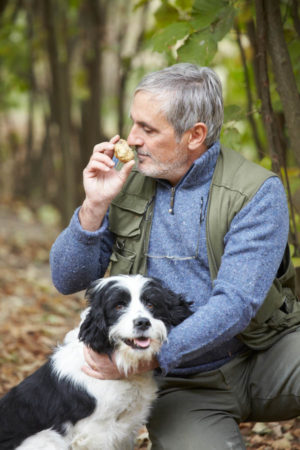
249, 95
267, 110
283, 72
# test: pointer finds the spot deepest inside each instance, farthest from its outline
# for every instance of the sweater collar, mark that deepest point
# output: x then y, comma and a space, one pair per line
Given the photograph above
201, 170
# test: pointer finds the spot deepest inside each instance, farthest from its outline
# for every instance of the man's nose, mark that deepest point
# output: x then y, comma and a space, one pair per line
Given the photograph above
134, 138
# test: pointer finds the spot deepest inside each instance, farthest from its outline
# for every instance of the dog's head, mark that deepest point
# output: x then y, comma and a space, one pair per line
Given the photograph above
130, 315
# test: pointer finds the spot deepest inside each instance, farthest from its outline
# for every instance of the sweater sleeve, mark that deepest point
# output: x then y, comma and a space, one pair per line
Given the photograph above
78, 257
254, 247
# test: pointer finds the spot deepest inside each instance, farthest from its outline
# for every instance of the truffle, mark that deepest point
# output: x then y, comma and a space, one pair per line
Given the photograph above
123, 152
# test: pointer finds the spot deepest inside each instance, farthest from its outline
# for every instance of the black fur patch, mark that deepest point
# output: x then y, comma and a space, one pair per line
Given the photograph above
39, 402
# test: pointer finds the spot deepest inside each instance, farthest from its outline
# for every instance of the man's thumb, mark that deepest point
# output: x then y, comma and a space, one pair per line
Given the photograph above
126, 169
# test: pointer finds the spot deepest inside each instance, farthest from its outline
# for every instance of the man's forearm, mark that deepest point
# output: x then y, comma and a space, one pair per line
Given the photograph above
91, 217
78, 256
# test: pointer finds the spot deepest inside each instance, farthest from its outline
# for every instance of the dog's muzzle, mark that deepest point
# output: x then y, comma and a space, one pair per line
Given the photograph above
141, 341
141, 323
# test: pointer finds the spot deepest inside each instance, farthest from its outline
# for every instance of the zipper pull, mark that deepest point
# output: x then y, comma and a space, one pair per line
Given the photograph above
202, 210
171, 209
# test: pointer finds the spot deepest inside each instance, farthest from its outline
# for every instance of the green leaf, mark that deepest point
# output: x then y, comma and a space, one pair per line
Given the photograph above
296, 261
233, 112
139, 3
170, 35
184, 5
200, 21
199, 48
225, 22
166, 14
230, 137
266, 162
209, 6
216, 13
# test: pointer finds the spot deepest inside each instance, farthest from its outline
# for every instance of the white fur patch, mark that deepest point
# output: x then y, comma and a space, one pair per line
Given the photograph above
122, 406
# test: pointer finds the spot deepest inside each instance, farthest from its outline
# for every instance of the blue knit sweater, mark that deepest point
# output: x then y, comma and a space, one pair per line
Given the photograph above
254, 247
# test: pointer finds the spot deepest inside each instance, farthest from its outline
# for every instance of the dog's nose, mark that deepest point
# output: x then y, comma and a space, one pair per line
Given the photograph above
142, 323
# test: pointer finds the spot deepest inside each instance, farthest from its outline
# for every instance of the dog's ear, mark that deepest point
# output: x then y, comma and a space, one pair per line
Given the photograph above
178, 307
93, 330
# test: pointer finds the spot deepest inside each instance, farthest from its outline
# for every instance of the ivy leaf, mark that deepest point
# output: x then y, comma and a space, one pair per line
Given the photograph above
225, 22
200, 21
204, 12
233, 112
199, 48
169, 36
230, 137
166, 14
209, 8
184, 5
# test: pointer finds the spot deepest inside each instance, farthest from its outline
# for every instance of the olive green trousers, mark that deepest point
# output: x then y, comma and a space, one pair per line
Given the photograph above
202, 412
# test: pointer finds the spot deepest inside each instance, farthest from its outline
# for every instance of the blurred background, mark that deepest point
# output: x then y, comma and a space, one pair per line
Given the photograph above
67, 72
68, 67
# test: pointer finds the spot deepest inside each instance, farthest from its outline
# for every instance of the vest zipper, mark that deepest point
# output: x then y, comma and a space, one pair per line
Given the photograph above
172, 199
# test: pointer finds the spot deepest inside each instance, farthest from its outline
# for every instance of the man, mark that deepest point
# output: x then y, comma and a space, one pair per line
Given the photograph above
214, 227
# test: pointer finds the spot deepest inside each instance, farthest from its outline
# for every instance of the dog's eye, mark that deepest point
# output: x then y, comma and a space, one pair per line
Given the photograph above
149, 306
119, 307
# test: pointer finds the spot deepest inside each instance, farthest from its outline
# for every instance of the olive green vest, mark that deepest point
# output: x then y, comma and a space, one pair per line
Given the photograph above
235, 181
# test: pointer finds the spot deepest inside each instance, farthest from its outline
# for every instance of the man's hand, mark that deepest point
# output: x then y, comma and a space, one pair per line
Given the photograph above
102, 367
101, 182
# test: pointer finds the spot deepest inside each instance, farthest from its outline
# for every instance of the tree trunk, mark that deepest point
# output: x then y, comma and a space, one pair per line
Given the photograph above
60, 103
283, 72
266, 105
93, 23
259, 147
29, 175
295, 16
125, 62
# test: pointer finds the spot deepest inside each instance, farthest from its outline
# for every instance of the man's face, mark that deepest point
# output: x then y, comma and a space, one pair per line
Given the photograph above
160, 155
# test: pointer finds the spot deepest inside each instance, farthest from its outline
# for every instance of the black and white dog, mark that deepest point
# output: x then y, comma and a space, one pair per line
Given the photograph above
59, 407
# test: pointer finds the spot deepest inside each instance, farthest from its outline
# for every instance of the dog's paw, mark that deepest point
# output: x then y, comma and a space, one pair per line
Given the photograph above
87, 441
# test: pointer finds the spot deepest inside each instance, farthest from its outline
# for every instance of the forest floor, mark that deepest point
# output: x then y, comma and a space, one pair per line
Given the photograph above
34, 317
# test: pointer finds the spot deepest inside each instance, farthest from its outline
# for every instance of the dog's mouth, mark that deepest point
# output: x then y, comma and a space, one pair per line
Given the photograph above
139, 343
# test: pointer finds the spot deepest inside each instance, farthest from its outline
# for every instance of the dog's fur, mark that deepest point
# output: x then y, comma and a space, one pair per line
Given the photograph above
60, 407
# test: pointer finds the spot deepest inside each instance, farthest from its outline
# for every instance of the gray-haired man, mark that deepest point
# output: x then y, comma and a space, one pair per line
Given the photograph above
212, 226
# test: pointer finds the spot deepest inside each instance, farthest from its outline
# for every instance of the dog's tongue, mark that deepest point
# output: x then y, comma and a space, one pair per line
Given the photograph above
142, 342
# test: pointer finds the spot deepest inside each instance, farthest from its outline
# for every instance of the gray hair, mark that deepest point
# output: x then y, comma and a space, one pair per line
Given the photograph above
189, 94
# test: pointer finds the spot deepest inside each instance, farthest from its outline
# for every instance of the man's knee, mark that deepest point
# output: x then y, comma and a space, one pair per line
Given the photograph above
176, 428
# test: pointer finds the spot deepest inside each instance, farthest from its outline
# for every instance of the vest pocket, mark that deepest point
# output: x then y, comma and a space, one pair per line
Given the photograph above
121, 260
126, 215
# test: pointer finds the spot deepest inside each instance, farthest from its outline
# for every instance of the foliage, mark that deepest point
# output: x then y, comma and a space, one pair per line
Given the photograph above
226, 34
190, 32
67, 70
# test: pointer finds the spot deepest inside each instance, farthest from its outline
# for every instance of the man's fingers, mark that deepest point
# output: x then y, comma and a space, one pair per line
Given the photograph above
92, 373
104, 147
126, 169
99, 162
115, 139
88, 356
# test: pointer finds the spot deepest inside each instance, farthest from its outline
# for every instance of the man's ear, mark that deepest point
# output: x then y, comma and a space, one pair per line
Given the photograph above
197, 136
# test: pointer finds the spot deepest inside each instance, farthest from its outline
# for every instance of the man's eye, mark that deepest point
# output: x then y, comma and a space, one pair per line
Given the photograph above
148, 130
